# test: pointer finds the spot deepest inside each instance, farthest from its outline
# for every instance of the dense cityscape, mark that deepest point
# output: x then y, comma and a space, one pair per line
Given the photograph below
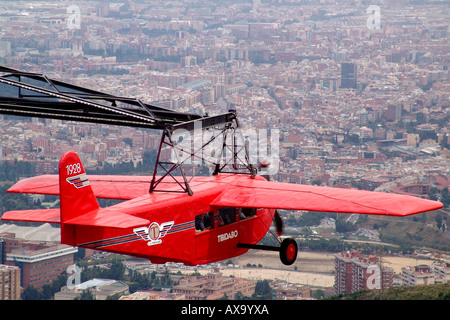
357, 91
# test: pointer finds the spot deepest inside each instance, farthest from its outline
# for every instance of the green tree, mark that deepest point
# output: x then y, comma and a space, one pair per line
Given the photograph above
438, 220
263, 290
343, 227
47, 292
117, 270
80, 254
445, 198
318, 294
59, 282
31, 293
86, 295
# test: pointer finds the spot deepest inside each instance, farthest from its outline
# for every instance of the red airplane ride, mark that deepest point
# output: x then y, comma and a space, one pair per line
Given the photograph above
213, 218
226, 215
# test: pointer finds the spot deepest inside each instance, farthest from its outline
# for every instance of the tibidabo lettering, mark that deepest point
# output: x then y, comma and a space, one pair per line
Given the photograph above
227, 236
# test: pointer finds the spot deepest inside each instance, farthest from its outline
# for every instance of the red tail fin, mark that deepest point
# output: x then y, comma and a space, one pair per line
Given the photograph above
76, 195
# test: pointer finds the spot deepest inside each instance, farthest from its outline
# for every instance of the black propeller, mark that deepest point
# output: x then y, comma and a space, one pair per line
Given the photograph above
278, 222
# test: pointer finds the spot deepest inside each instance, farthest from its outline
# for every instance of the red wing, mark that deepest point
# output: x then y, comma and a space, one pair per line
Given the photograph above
39, 215
276, 195
104, 186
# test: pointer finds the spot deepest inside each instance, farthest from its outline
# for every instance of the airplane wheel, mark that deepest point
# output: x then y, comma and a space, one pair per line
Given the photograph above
288, 251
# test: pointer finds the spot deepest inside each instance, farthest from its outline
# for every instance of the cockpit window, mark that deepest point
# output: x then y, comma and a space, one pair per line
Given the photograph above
226, 215
204, 221
245, 213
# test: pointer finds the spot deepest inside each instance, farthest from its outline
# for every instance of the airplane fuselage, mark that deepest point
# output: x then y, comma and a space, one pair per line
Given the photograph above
182, 228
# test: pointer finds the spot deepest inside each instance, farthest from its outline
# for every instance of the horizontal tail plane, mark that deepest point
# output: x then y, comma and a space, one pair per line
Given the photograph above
37, 215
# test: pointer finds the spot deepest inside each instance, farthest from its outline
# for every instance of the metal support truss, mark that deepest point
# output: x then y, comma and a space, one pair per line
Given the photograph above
234, 156
35, 95
169, 166
231, 156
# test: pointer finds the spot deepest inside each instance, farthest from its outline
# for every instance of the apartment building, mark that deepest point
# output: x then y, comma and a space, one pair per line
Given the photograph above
348, 75
9, 282
417, 275
40, 262
355, 272
442, 270
424, 274
43, 264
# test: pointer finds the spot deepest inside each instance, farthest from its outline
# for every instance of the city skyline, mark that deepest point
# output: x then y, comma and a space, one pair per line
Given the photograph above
277, 70
357, 91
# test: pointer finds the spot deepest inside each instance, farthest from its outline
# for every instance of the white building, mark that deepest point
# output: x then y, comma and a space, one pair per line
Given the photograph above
417, 275
101, 289
442, 271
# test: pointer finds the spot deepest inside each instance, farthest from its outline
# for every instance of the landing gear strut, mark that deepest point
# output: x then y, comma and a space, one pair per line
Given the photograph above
288, 250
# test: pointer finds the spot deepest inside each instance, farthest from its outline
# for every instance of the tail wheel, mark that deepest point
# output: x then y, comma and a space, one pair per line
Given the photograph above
288, 251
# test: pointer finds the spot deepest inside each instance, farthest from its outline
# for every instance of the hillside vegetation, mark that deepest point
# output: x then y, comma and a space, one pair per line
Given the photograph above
424, 230
423, 292
421, 230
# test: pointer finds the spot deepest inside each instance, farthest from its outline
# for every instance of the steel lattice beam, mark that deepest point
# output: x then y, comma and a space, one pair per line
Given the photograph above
35, 95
